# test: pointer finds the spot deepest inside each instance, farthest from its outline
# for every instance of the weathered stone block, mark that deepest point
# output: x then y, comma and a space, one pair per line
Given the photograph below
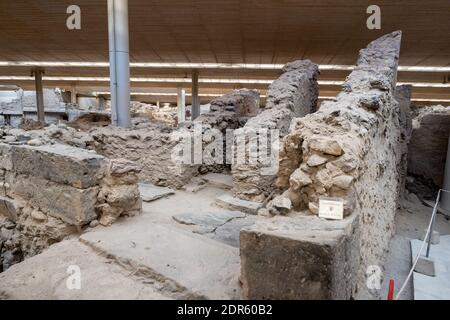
59, 163
8, 208
299, 258
244, 102
229, 202
72, 205
5, 157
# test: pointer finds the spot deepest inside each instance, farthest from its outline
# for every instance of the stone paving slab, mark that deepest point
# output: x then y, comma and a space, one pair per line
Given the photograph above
199, 267
229, 233
150, 192
227, 201
207, 222
224, 181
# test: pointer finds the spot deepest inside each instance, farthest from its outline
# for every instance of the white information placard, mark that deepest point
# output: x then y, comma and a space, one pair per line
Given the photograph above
331, 208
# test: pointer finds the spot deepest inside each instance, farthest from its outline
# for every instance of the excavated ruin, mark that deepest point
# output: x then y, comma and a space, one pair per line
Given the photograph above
63, 180
348, 149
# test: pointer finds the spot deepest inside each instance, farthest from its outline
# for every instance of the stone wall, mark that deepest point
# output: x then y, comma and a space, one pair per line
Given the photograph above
151, 147
348, 149
154, 146
293, 94
403, 97
428, 149
227, 113
51, 191
243, 102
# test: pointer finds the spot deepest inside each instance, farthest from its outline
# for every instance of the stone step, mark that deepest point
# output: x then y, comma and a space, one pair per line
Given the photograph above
229, 202
46, 275
199, 267
220, 180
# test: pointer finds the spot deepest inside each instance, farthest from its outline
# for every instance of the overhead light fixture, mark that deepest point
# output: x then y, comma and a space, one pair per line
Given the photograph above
204, 80
187, 65
431, 100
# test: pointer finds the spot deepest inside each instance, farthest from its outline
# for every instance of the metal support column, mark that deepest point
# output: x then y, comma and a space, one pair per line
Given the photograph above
195, 109
38, 72
119, 62
181, 103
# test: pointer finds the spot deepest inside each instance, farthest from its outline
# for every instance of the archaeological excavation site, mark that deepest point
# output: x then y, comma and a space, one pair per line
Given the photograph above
241, 150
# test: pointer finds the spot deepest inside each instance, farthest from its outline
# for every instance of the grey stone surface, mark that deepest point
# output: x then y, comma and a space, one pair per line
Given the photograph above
229, 202
207, 222
220, 180
299, 258
198, 267
150, 192
229, 232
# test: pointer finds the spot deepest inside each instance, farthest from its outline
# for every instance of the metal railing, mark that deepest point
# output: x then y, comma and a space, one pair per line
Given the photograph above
426, 240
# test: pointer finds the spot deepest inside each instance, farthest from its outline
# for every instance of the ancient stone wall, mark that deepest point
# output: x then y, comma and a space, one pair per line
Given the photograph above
428, 150
403, 97
227, 113
51, 191
153, 146
243, 102
348, 149
293, 94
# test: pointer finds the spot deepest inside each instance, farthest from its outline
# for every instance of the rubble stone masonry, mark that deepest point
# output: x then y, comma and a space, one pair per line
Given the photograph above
348, 149
293, 94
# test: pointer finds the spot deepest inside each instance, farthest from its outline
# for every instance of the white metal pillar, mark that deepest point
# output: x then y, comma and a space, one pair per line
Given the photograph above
445, 196
195, 109
119, 61
37, 72
181, 103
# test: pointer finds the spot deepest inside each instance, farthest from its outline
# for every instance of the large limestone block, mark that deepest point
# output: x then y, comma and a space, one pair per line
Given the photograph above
72, 205
299, 258
59, 163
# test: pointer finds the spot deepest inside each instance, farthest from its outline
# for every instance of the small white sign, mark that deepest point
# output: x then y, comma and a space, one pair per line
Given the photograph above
331, 208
